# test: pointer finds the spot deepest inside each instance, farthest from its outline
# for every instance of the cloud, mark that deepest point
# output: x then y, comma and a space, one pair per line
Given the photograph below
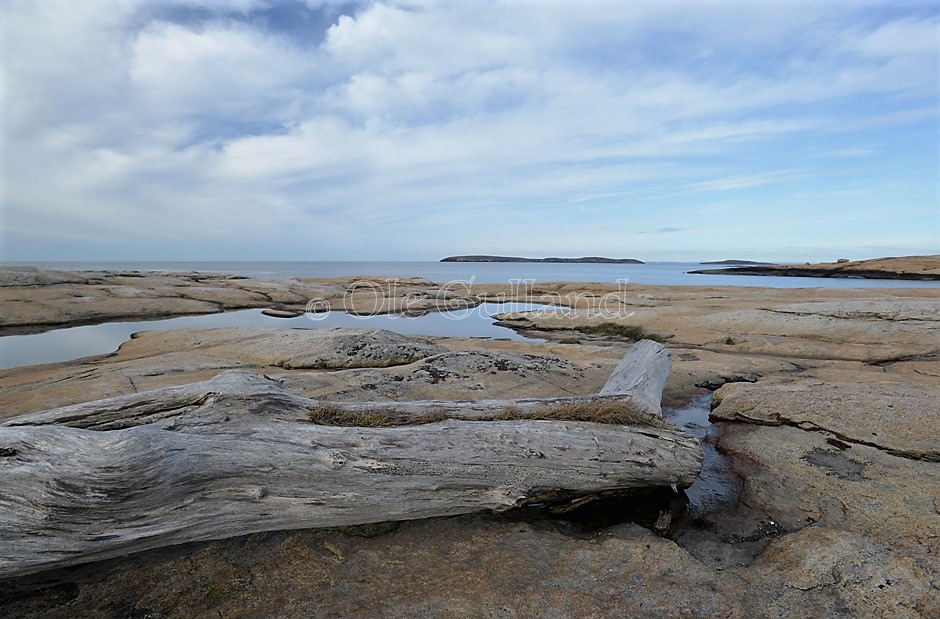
849, 152
743, 182
666, 230
323, 120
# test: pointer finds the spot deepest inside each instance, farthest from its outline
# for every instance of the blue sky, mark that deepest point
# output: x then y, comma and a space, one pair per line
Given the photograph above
323, 130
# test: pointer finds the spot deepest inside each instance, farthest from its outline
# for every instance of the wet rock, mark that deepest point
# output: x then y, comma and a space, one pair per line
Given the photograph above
276, 312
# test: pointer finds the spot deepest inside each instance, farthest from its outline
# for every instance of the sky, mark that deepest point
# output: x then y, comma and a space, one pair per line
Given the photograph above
411, 130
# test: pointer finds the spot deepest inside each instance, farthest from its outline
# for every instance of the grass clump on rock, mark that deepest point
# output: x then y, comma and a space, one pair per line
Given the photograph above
613, 412
330, 415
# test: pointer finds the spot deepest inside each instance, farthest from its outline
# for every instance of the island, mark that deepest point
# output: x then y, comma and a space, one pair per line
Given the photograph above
582, 260
924, 268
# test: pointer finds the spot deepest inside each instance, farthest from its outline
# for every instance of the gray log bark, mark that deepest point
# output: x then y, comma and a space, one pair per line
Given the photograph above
642, 375
233, 455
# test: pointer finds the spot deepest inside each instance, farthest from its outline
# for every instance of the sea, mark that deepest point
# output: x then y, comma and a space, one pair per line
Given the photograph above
662, 273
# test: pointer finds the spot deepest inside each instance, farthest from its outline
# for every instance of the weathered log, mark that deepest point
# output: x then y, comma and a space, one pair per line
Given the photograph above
638, 380
642, 375
189, 403
233, 456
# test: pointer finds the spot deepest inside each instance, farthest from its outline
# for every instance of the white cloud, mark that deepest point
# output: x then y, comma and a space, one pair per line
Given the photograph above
904, 37
123, 116
229, 71
849, 152
743, 182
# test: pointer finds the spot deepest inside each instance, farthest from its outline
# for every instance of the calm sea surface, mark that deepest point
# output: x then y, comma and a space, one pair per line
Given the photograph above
665, 273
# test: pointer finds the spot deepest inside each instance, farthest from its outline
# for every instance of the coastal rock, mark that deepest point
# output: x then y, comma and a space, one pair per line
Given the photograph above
922, 311
758, 322
897, 414
33, 276
464, 375
277, 312
825, 415
285, 291
908, 267
863, 524
843, 550
226, 297
448, 568
36, 299
303, 348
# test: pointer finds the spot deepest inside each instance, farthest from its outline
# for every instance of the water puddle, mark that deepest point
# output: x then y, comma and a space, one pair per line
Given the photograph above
717, 487
715, 492
716, 527
75, 342
707, 519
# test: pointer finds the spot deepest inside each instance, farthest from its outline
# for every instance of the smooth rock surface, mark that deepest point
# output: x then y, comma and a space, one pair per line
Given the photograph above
304, 348
826, 415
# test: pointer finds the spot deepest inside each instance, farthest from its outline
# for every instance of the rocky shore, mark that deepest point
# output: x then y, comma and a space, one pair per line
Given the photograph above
823, 404
924, 268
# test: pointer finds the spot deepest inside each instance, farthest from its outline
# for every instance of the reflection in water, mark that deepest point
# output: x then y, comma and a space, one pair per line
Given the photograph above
75, 342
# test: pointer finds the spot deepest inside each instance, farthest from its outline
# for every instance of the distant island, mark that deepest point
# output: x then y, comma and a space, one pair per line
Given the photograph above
583, 260
737, 262
925, 268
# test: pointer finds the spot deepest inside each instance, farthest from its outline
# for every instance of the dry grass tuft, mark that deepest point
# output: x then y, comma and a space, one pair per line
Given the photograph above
332, 415
510, 413
633, 332
611, 412
622, 413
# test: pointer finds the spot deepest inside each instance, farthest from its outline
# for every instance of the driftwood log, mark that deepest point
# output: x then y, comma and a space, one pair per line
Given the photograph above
236, 455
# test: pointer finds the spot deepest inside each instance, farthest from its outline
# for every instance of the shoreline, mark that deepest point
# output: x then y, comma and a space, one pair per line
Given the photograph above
912, 268
44, 300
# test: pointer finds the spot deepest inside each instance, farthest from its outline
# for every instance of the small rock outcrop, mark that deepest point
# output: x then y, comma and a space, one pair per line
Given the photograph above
314, 349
